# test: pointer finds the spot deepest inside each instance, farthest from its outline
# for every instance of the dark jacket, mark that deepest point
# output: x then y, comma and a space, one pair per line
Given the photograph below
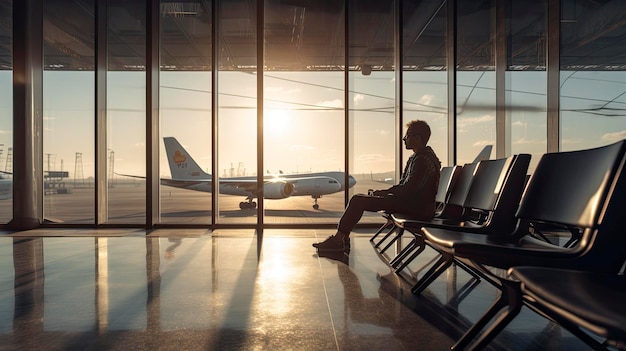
419, 181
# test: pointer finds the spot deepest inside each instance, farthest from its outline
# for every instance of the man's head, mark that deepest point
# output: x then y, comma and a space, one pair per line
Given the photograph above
417, 135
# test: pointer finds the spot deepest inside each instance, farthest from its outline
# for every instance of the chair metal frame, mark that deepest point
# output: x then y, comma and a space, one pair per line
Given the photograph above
447, 180
494, 194
584, 189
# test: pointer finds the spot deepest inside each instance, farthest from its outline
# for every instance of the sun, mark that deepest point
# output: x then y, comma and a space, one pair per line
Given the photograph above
276, 122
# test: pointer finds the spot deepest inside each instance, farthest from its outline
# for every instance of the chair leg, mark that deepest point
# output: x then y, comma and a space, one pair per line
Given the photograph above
389, 232
399, 233
419, 247
403, 253
511, 296
462, 293
467, 268
381, 229
445, 260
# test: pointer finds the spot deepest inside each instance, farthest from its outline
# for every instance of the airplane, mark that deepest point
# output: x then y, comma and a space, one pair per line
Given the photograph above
187, 174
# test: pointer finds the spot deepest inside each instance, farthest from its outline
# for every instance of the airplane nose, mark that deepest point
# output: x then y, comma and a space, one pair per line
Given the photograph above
351, 181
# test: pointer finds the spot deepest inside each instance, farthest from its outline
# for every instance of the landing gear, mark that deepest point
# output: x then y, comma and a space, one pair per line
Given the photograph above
315, 205
250, 205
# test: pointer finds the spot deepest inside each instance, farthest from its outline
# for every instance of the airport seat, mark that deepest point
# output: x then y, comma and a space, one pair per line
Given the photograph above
583, 189
577, 300
489, 207
447, 179
452, 212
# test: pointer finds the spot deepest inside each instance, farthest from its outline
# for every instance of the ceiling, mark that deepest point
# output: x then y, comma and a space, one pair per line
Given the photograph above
309, 35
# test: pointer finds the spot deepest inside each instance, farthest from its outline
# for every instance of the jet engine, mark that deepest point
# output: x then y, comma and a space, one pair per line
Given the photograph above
277, 190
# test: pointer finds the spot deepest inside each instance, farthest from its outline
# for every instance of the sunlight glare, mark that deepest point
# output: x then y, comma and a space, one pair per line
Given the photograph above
276, 122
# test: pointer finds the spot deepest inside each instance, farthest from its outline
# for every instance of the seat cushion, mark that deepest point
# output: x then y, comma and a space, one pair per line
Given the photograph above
592, 300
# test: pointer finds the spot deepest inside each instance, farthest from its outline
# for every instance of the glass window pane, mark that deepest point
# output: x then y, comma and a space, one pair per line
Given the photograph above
425, 78
526, 79
593, 81
476, 79
373, 136
6, 110
68, 116
304, 111
126, 111
185, 111
237, 112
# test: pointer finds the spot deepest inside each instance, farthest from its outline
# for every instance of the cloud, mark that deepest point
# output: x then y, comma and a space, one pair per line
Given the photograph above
614, 137
462, 123
483, 143
520, 124
358, 98
337, 103
426, 99
524, 141
370, 158
572, 141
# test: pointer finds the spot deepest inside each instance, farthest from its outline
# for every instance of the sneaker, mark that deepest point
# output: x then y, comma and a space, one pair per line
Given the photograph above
331, 244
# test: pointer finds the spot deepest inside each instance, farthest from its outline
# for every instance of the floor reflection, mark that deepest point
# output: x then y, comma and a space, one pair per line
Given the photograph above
225, 292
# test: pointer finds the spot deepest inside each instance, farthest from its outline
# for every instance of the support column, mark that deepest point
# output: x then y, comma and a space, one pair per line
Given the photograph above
27, 114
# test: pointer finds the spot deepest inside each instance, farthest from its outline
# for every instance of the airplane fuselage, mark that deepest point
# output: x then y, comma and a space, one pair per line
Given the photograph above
275, 186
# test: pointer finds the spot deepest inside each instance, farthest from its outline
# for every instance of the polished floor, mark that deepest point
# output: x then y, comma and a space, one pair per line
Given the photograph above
223, 290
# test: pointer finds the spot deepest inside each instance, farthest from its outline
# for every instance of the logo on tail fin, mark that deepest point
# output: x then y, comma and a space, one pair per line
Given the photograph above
180, 159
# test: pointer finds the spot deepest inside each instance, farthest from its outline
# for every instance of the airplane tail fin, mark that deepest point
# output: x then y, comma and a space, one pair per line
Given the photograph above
182, 165
484, 154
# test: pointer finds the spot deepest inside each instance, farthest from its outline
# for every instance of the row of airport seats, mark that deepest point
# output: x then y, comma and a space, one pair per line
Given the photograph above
493, 229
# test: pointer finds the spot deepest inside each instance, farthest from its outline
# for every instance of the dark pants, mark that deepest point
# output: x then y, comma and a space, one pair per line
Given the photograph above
361, 202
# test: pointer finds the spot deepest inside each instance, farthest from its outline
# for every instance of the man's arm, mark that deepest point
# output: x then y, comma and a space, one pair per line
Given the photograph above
415, 178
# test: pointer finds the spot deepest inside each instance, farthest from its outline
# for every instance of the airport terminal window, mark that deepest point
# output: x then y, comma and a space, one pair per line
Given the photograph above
68, 116
237, 108
237, 122
126, 111
526, 78
373, 134
476, 79
6, 111
593, 77
304, 109
425, 76
304, 76
185, 108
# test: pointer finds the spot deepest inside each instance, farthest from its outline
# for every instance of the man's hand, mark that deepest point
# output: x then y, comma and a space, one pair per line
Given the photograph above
379, 192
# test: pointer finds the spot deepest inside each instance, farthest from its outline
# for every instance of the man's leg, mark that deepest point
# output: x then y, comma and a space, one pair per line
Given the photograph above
351, 216
358, 204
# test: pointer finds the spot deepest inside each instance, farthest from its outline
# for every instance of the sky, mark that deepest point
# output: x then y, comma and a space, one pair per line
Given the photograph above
304, 118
